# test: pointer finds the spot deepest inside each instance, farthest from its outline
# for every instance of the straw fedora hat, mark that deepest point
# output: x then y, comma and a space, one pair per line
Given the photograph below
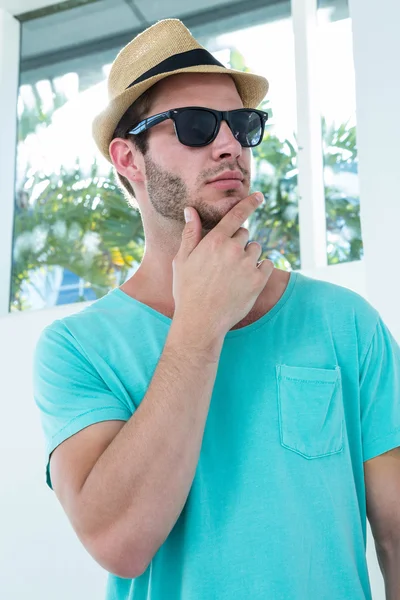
164, 49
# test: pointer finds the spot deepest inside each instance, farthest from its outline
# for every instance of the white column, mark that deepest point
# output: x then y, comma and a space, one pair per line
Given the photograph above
312, 220
376, 56
9, 77
376, 50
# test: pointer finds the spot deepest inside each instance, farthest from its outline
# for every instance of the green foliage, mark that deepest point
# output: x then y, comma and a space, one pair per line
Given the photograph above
275, 225
82, 224
36, 116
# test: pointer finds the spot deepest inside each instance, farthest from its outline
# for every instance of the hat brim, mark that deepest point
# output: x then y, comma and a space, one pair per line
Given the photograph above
252, 90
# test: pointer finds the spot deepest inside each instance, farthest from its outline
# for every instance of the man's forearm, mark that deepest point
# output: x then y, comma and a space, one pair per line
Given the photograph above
389, 562
138, 487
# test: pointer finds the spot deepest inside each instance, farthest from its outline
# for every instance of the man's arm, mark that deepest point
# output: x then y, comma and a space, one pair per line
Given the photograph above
124, 502
382, 480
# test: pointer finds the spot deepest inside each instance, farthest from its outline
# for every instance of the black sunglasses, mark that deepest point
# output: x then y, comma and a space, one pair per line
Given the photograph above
196, 126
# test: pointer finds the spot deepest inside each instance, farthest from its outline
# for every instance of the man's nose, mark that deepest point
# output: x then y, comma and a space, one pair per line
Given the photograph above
225, 144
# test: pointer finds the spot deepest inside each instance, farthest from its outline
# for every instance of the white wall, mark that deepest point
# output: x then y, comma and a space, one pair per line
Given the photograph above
40, 556
376, 58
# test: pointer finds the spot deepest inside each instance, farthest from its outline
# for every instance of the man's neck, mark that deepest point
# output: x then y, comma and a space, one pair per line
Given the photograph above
155, 290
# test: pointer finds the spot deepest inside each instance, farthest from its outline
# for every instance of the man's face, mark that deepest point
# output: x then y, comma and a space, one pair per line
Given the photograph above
177, 175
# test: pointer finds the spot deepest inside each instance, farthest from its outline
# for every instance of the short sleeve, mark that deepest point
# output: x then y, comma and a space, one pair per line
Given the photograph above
380, 393
68, 391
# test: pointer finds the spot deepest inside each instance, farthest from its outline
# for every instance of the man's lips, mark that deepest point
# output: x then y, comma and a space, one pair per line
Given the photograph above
231, 175
226, 184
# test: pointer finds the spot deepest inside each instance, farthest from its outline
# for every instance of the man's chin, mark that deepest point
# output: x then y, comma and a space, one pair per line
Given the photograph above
230, 198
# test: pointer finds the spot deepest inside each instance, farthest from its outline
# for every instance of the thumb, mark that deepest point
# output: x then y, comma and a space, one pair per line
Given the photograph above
191, 235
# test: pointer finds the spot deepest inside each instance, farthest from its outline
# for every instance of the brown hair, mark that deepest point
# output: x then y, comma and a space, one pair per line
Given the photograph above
135, 113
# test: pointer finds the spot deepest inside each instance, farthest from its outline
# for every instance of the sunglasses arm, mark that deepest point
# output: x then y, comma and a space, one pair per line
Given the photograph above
150, 122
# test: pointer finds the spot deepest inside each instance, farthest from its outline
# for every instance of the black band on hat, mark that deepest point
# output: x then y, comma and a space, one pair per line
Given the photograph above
191, 58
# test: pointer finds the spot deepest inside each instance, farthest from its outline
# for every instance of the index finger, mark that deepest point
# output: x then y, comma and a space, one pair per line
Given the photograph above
235, 218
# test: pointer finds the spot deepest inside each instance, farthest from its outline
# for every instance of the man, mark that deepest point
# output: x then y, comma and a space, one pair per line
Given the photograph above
216, 426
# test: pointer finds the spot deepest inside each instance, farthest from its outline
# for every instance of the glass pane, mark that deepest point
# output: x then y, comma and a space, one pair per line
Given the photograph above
75, 237
338, 103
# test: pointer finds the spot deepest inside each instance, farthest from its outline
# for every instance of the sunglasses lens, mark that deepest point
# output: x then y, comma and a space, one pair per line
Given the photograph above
195, 127
247, 127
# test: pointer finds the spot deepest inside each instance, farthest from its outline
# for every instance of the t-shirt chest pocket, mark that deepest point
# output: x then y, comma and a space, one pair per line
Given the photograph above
310, 408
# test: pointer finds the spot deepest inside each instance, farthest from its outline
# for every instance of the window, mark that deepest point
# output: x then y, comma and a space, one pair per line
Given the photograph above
338, 105
75, 237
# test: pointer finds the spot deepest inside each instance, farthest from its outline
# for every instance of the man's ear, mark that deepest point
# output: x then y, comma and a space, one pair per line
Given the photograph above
127, 159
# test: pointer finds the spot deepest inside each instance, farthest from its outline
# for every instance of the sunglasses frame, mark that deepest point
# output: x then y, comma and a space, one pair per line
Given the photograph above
220, 116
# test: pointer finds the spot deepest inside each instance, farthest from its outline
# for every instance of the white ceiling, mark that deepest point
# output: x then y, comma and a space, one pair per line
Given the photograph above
101, 19
92, 32
18, 7
89, 35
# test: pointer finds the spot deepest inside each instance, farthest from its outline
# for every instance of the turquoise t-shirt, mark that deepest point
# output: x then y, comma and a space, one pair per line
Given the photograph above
302, 398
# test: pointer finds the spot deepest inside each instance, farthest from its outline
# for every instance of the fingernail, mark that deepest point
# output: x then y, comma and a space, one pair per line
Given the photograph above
188, 214
260, 197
